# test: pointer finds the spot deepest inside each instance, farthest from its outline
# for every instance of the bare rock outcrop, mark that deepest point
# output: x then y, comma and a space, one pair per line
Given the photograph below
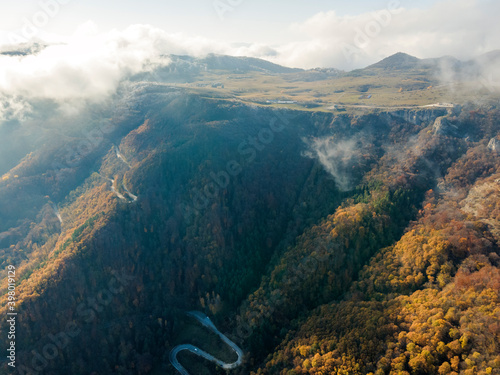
494, 145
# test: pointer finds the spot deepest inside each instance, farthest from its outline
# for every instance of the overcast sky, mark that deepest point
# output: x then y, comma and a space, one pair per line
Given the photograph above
97, 44
264, 21
314, 33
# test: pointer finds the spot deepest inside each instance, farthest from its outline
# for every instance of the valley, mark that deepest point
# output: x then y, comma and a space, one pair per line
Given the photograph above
325, 221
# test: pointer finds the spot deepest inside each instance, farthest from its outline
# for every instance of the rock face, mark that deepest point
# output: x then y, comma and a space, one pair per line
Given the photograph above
494, 145
419, 117
442, 126
481, 203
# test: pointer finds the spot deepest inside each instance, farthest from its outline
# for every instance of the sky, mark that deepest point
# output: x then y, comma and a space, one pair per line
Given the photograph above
306, 34
96, 44
245, 21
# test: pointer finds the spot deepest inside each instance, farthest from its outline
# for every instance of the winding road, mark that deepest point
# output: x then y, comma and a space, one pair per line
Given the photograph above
113, 189
120, 156
206, 322
132, 196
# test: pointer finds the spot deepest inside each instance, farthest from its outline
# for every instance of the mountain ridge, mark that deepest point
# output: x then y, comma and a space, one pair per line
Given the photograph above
398, 60
319, 236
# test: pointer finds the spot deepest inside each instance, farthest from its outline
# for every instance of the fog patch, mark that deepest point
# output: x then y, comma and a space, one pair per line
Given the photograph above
338, 157
13, 108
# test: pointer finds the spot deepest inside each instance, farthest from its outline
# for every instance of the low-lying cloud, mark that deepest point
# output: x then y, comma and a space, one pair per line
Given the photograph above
87, 67
90, 66
13, 108
338, 157
463, 28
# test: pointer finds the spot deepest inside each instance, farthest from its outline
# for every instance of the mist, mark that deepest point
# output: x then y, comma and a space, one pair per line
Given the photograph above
338, 157
89, 65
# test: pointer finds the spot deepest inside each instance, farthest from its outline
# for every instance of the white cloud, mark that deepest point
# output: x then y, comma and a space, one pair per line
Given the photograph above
89, 65
337, 157
13, 108
462, 28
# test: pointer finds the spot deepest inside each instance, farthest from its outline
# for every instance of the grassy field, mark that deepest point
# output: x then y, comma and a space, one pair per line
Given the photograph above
371, 89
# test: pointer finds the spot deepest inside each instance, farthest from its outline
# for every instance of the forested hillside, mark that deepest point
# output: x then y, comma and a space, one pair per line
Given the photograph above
429, 302
322, 243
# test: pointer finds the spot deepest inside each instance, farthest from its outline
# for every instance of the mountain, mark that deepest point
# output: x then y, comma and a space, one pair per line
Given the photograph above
189, 69
447, 68
492, 57
404, 62
244, 64
24, 49
398, 61
319, 232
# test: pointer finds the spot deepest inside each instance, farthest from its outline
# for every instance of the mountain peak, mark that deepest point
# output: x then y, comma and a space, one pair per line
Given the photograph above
399, 60
244, 64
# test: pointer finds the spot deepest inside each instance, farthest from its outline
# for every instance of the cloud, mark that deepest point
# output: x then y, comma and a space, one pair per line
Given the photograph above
462, 28
13, 108
337, 157
89, 65
253, 50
